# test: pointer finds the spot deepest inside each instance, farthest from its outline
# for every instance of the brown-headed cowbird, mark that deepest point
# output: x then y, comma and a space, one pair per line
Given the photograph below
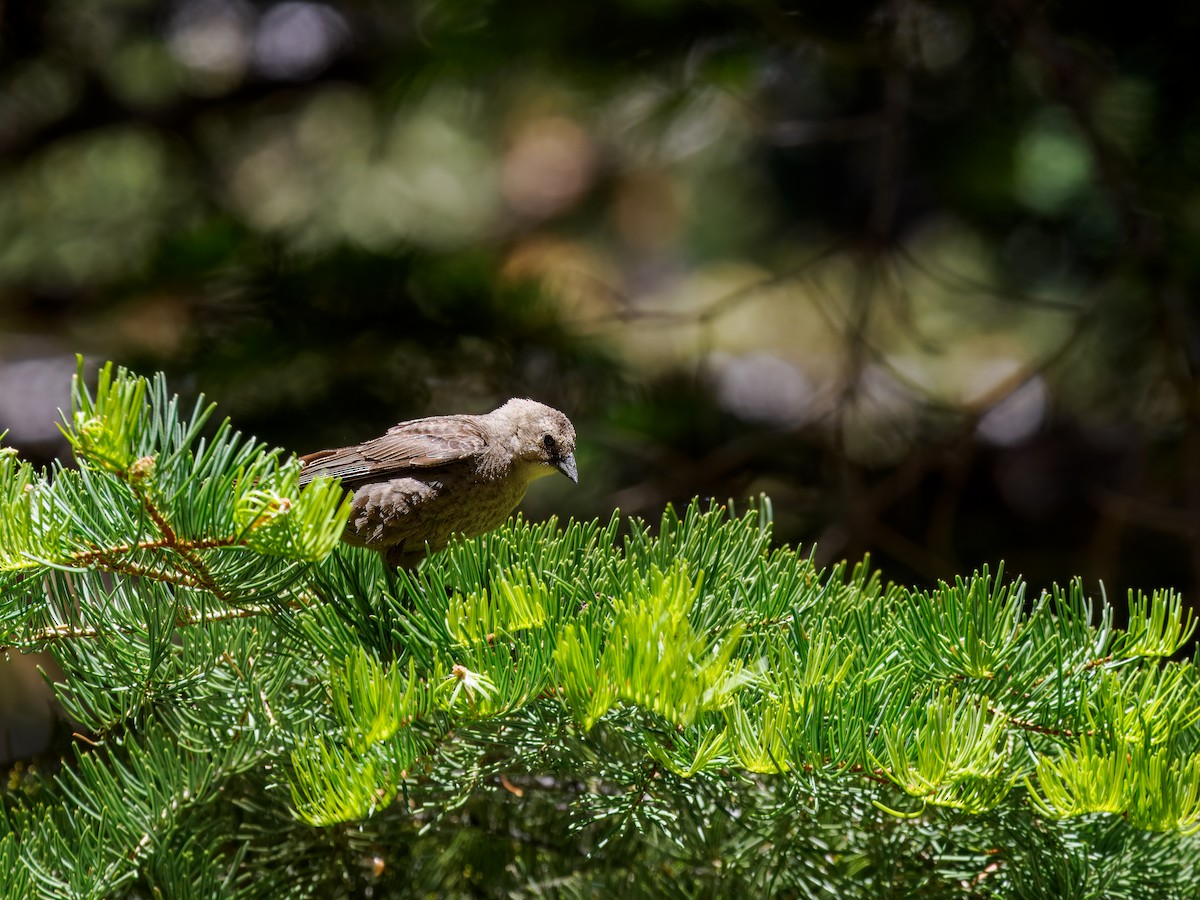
428, 479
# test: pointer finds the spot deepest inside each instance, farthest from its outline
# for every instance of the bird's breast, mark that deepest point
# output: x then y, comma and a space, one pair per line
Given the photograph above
413, 511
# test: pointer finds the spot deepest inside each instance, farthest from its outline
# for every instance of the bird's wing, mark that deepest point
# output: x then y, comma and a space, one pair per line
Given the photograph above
419, 444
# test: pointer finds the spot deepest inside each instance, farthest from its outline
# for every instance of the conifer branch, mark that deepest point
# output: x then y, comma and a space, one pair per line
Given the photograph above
53, 633
94, 554
663, 697
1034, 727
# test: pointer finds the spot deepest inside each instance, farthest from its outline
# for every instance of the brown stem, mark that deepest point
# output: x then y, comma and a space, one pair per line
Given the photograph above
68, 632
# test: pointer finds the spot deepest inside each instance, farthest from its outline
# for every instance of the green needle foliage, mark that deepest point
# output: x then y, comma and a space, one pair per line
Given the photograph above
555, 710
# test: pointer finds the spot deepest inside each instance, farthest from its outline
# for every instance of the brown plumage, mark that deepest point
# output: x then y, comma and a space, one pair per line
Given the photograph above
428, 479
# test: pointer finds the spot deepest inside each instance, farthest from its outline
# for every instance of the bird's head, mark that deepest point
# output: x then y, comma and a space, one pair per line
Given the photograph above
542, 436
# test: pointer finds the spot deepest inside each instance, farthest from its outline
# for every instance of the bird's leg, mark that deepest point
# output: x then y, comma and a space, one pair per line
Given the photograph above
399, 558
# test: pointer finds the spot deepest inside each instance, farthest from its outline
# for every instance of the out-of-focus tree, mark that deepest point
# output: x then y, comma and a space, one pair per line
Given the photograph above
923, 272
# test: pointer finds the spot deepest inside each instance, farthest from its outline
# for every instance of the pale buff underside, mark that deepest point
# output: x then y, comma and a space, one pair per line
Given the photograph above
403, 514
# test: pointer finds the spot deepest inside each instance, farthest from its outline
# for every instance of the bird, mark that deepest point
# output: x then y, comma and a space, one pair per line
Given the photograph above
428, 479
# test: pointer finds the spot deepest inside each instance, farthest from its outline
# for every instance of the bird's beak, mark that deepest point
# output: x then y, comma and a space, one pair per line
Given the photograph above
566, 465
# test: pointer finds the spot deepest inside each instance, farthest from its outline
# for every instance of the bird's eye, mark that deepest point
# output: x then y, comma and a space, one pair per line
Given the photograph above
549, 443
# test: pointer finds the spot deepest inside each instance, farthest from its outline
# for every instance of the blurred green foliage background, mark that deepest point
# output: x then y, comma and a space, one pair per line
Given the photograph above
924, 272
